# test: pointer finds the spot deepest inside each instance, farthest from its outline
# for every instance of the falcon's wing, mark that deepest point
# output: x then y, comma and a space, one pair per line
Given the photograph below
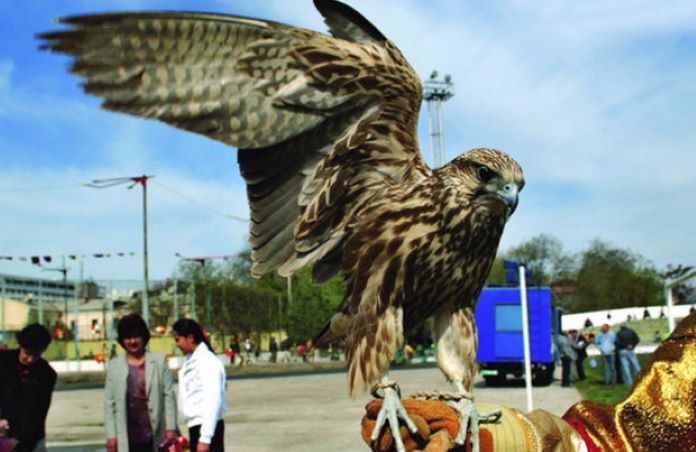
323, 123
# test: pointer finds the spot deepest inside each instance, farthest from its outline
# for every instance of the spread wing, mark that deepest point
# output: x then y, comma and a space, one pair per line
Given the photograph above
323, 123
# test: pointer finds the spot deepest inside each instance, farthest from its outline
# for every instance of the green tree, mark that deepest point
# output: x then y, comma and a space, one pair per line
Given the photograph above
544, 256
496, 278
611, 277
312, 305
230, 301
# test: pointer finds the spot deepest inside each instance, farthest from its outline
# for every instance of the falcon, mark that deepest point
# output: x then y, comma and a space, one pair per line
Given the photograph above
326, 131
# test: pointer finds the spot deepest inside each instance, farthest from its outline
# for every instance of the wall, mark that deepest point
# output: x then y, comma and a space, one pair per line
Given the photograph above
618, 316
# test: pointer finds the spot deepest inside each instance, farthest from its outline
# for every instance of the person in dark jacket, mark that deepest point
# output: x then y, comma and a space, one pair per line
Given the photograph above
26, 387
581, 346
273, 348
626, 341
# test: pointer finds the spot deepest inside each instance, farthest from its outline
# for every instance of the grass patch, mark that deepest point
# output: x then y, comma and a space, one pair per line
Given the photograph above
593, 387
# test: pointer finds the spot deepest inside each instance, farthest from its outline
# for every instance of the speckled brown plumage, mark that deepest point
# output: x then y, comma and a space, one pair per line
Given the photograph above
326, 131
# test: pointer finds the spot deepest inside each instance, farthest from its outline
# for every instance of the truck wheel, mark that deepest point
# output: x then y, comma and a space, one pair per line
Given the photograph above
544, 378
494, 380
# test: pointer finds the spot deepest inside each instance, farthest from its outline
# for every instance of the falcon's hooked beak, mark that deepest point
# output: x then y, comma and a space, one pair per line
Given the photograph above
509, 194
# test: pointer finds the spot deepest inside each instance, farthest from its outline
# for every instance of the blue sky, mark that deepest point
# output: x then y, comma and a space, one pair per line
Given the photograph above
595, 99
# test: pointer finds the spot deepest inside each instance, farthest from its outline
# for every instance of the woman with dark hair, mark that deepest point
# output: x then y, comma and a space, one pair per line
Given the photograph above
26, 386
201, 388
139, 402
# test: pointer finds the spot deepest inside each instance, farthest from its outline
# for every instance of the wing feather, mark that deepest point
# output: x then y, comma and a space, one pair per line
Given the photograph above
322, 122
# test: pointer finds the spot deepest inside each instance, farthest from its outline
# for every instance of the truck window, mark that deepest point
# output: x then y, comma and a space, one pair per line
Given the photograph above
508, 317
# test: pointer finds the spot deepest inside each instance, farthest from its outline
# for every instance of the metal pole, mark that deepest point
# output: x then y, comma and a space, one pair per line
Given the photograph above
111, 317
525, 339
441, 133
193, 297
142, 180
176, 297
431, 133
146, 287
64, 269
76, 314
280, 308
670, 296
670, 300
2, 308
40, 300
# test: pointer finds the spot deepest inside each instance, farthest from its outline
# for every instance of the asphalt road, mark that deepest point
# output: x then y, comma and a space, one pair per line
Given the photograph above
290, 413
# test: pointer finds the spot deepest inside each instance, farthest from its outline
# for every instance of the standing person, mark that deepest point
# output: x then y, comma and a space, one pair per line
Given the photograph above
236, 351
139, 402
568, 355
201, 388
658, 337
581, 346
26, 387
626, 341
605, 341
232, 348
273, 348
248, 350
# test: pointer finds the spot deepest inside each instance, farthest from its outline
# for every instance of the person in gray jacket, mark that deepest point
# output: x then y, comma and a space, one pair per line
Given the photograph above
567, 350
139, 401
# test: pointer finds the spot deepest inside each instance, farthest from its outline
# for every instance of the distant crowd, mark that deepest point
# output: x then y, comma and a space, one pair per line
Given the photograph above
617, 350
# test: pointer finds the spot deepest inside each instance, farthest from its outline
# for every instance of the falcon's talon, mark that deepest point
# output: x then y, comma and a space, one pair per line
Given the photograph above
392, 409
469, 420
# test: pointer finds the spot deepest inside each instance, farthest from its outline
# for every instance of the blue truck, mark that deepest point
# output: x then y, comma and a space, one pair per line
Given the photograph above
499, 324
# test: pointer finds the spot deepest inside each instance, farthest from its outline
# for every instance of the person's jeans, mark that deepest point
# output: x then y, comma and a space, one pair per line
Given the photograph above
629, 362
565, 379
580, 368
609, 369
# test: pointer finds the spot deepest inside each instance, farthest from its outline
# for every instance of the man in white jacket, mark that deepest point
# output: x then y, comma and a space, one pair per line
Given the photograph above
201, 388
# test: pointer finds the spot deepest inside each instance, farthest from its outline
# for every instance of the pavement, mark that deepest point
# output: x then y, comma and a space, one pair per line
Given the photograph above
309, 412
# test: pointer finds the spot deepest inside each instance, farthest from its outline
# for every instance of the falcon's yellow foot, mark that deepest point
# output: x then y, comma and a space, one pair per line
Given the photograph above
392, 410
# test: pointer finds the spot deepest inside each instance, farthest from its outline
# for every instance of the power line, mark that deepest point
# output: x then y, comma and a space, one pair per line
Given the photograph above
206, 206
45, 187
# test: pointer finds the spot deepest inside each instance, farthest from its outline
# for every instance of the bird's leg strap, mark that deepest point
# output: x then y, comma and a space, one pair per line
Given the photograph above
452, 397
442, 395
381, 386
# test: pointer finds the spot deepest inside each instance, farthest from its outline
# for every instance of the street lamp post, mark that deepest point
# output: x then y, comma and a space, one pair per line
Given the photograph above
133, 181
669, 297
64, 271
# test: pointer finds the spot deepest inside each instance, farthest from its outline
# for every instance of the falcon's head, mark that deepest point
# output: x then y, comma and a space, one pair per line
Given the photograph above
491, 179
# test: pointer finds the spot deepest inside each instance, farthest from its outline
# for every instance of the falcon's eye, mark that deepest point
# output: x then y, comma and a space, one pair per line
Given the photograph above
485, 174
